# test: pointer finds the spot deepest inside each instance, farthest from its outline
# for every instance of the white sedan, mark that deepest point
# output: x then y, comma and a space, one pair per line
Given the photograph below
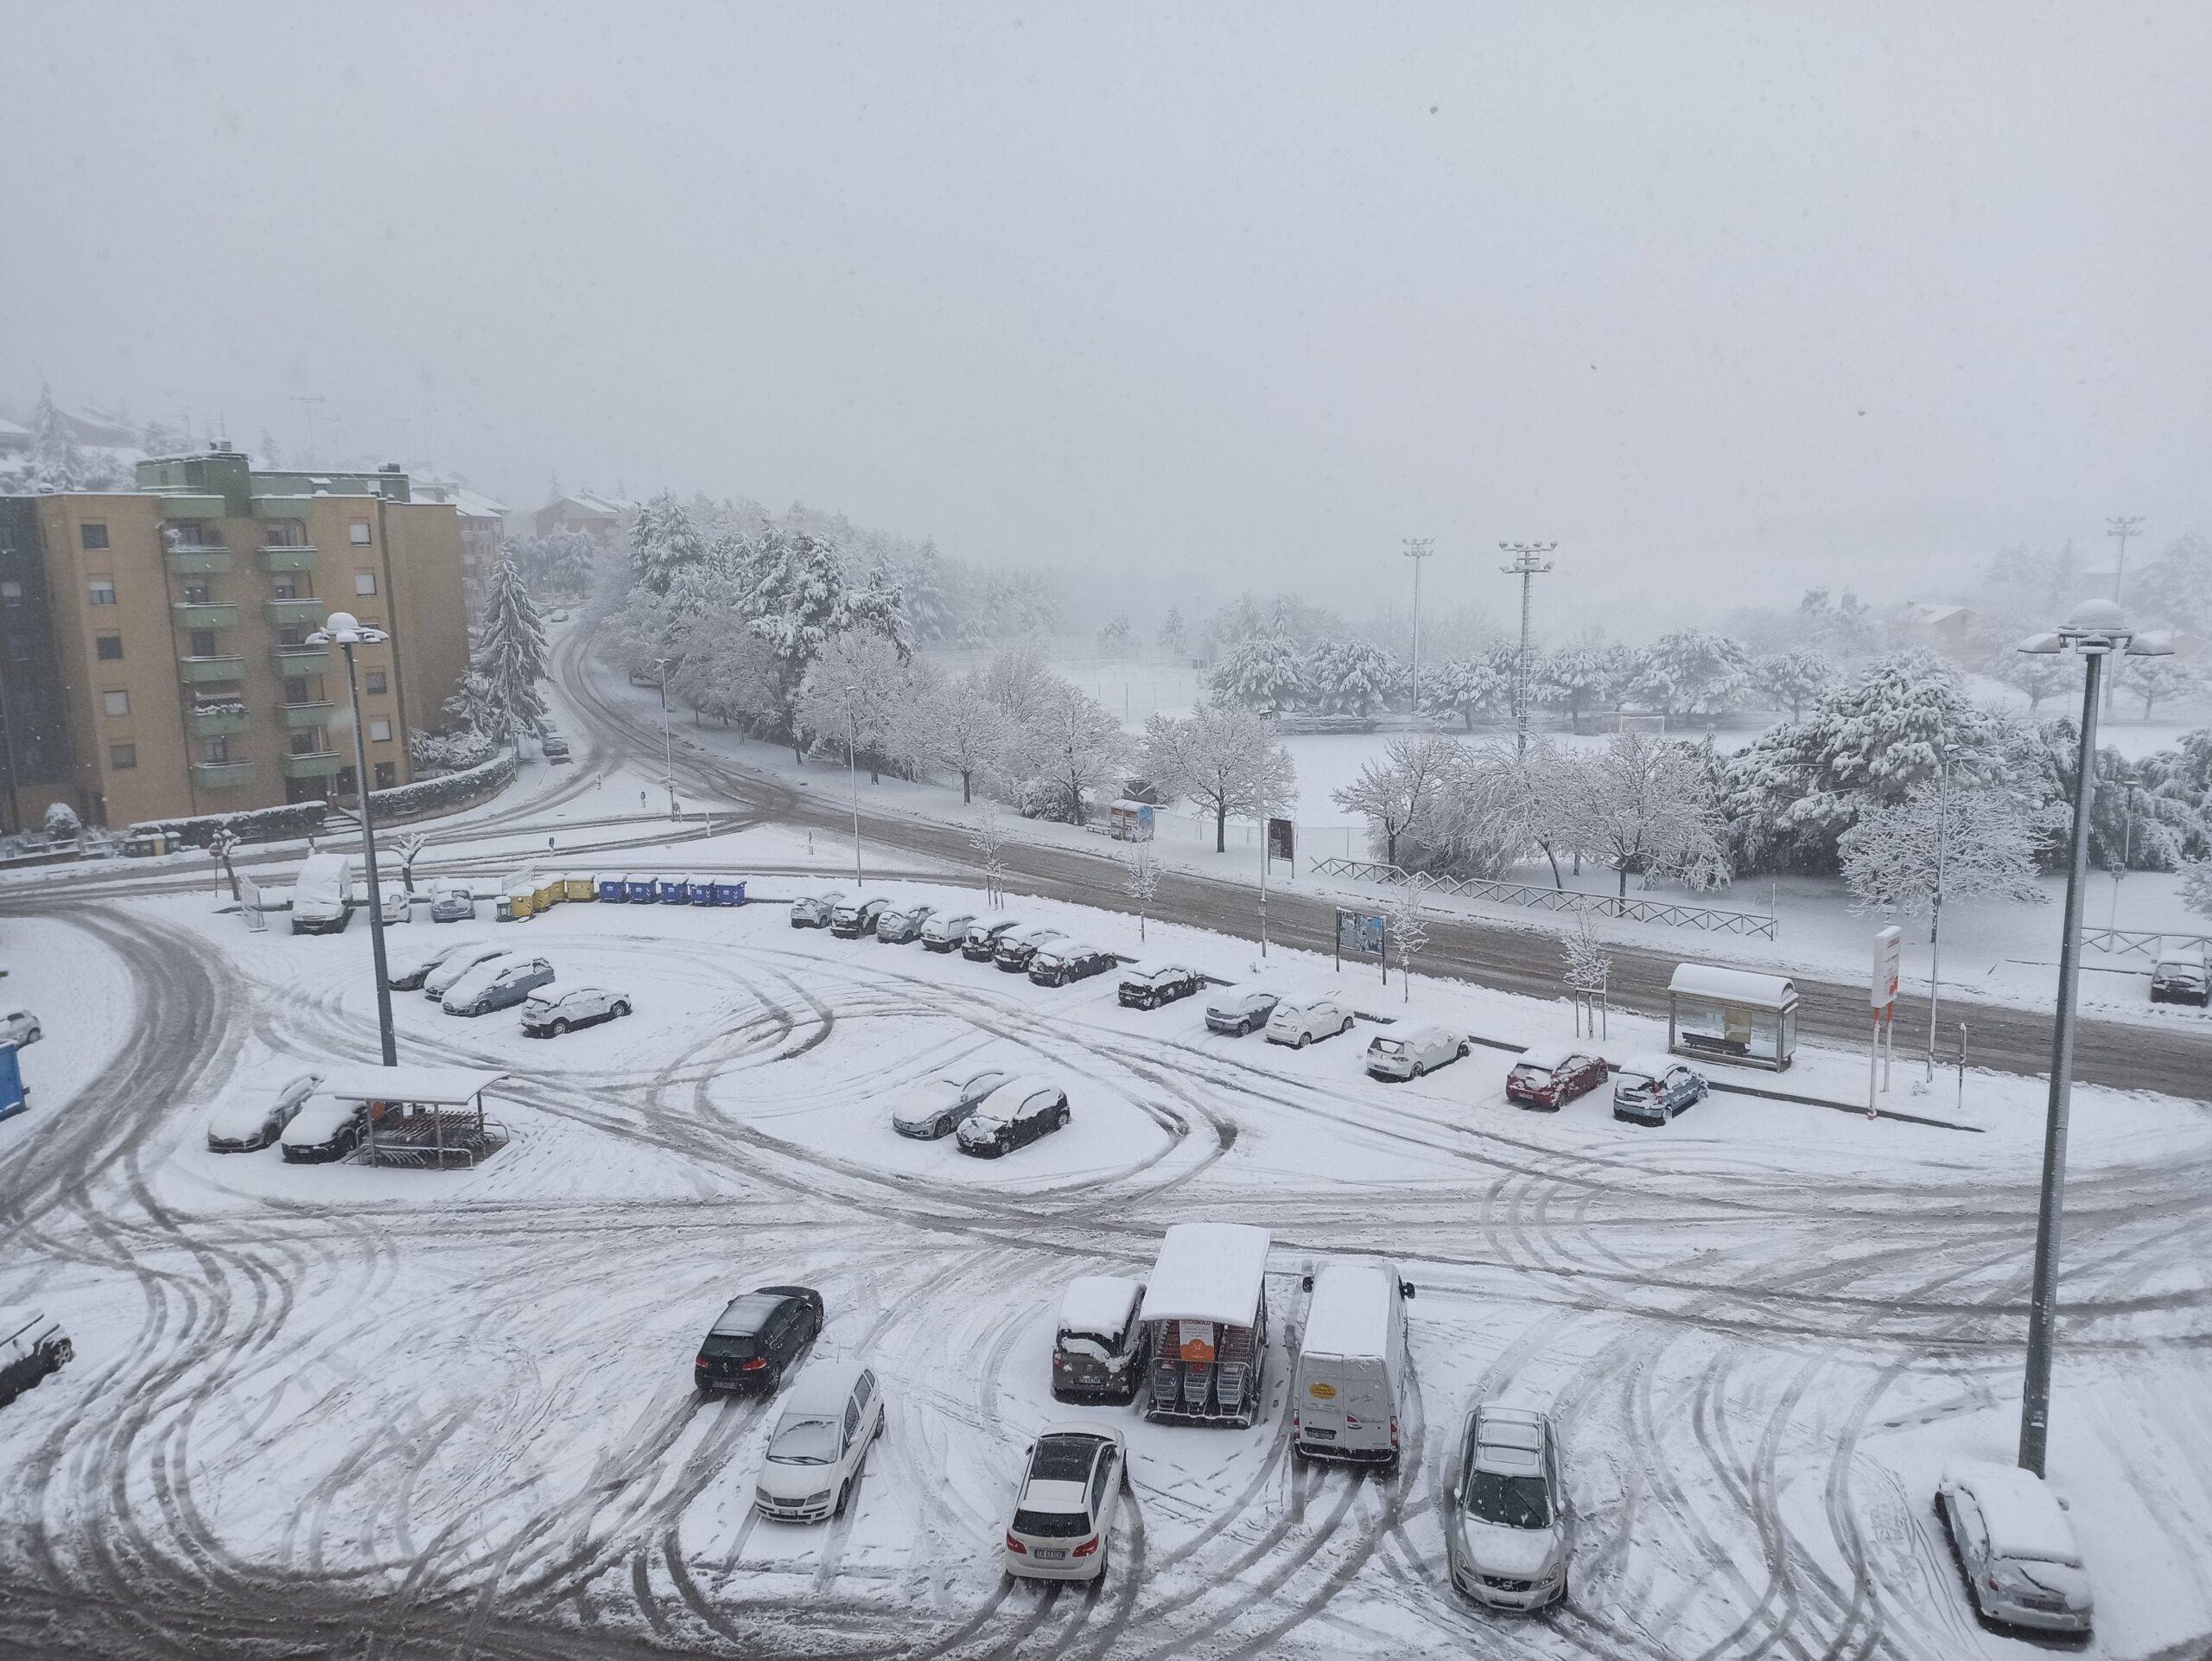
1410, 1053
2015, 1548
1073, 1486
550, 1013
832, 1415
1300, 1022
253, 1116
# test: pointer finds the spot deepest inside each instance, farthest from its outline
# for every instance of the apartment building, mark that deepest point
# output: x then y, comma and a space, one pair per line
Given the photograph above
176, 619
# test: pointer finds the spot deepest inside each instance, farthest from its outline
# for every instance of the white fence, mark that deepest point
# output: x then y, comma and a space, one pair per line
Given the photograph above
1631, 908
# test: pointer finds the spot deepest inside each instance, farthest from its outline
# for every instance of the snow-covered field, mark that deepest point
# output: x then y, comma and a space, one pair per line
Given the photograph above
460, 1403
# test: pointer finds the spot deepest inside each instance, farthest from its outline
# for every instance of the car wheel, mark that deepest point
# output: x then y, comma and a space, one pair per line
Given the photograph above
1418, 1070
558, 1028
1304, 1038
1346, 1028
772, 1380
1060, 1119
1463, 1052
621, 1010
844, 1494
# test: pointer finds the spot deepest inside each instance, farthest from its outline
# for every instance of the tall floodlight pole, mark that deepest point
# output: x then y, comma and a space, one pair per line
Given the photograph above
1529, 564
667, 744
344, 631
2097, 629
853, 774
2119, 528
1935, 907
1417, 549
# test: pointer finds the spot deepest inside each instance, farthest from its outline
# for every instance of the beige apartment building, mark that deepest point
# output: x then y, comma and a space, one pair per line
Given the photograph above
178, 616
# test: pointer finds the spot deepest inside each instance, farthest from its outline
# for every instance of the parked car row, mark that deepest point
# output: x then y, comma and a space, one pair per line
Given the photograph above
289, 1113
989, 1113
474, 978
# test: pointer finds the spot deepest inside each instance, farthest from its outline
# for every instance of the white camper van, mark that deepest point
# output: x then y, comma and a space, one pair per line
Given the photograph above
322, 894
1352, 1365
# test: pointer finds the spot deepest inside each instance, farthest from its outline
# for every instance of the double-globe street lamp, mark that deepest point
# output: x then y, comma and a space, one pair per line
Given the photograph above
2097, 629
344, 631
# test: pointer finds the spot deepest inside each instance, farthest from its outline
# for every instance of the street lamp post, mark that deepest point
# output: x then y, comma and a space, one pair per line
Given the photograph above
2097, 629
343, 630
1417, 549
667, 744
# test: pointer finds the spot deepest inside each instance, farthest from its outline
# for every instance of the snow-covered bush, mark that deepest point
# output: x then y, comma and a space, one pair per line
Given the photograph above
283, 824
451, 790
61, 822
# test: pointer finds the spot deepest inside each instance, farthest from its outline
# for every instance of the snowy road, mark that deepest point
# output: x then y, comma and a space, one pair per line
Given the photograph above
326, 1409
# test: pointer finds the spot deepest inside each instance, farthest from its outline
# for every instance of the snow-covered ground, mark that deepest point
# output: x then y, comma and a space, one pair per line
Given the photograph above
466, 1397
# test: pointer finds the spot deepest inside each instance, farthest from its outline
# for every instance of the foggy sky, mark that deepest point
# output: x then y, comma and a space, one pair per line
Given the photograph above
1724, 299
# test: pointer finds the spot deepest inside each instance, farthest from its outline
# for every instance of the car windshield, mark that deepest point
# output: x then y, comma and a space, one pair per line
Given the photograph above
1514, 1502
804, 1441
1063, 1458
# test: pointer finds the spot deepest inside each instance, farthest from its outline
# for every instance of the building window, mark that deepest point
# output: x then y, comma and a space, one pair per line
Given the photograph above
361, 535
309, 741
116, 704
122, 756
92, 533
195, 594
380, 732
102, 590
291, 634
285, 585
364, 582
387, 774
376, 682
203, 643
108, 648
283, 533
214, 752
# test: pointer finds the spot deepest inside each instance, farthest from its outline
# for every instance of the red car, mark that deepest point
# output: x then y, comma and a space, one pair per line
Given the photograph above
1552, 1078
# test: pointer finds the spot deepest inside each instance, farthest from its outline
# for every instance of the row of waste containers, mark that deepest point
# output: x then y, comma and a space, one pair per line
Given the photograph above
527, 898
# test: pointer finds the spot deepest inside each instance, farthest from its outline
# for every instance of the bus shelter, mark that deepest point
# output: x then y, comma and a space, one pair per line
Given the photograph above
422, 1117
1732, 1014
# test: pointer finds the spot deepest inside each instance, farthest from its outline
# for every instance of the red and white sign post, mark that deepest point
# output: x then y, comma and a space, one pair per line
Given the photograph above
1889, 948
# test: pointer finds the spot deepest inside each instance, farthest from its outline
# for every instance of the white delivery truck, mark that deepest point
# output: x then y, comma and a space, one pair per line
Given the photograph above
1347, 1397
322, 894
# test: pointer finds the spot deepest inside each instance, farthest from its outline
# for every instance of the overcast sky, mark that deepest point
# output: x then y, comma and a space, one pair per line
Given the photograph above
1724, 299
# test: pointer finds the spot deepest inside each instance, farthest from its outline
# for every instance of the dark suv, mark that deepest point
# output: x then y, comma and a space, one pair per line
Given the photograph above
757, 1338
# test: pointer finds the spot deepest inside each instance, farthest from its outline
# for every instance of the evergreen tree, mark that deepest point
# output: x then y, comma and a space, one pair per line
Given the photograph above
664, 543
512, 660
56, 464
794, 602
1267, 671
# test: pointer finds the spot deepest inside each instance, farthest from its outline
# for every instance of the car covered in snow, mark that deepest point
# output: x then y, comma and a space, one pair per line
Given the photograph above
854, 917
452, 902
982, 942
324, 1129
321, 903
1148, 987
757, 1338
2015, 1547
410, 975
1412, 1053
555, 749
1507, 1527
394, 908
899, 925
463, 961
939, 1105
19, 1027
832, 1415
1237, 1013
2182, 976
1072, 1487
1298, 1022
1012, 1115
499, 985
549, 1016
815, 910
253, 1115
1065, 961
1099, 1344
1550, 1078
945, 930
32, 1344
1018, 946
1653, 1089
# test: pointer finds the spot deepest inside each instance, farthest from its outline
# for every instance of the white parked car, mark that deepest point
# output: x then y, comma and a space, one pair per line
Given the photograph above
945, 930
832, 1415
939, 1105
549, 1015
1301, 1021
1410, 1053
814, 910
19, 1027
473, 955
394, 909
1238, 1013
2015, 1546
1064, 1512
1506, 1522
253, 1116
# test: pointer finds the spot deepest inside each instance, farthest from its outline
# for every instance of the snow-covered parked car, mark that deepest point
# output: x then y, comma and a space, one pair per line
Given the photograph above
945, 930
19, 1027
253, 1115
1238, 1013
464, 961
325, 1128
549, 1017
394, 907
2182, 976
1017, 947
452, 902
1551, 1078
1099, 1343
1506, 1522
1301, 1021
1412, 1053
1071, 1488
939, 1106
1149, 988
2015, 1547
412, 973
1012, 1115
1064, 962
854, 918
983, 940
833, 1414
499, 985
1653, 1089
900, 925
815, 910
32, 1344
320, 902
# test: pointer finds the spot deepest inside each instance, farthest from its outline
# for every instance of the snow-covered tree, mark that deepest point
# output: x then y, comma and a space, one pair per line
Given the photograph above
512, 657
1689, 670
2038, 675
55, 461
2197, 886
61, 822
1573, 678
1113, 638
1395, 794
1174, 636
1642, 805
1068, 749
2153, 679
1015, 681
1265, 673
1224, 759
966, 731
1351, 678
1467, 687
987, 837
1407, 931
795, 601
558, 563
664, 542
2176, 588
853, 697
1794, 678
1977, 842
722, 671
1141, 882
1586, 965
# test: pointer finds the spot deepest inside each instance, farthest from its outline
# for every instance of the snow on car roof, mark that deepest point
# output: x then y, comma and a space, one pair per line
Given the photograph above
823, 1389
1652, 1066
1734, 985
1350, 1311
1550, 1058
446, 1086
1208, 1271
2023, 1515
1097, 1304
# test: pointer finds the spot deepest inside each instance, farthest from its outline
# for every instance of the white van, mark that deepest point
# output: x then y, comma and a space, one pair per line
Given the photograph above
1352, 1365
321, 894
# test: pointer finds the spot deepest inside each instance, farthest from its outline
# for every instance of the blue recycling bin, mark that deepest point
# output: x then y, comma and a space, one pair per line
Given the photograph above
643, 890
613, 890
728, 892
702, 891
674, 891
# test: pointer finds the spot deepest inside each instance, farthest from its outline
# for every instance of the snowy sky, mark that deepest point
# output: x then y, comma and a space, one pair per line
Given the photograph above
1763, 294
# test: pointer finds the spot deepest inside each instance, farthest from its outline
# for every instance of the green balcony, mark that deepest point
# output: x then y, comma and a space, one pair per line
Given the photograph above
198, 562
316, 764
221, 775
204, 614
291, 558
198, 670
214, 723
192, 507
306, 714
296, 614
300, 660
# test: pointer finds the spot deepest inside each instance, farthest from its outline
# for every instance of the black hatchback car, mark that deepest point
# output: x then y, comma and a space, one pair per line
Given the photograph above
757, 1338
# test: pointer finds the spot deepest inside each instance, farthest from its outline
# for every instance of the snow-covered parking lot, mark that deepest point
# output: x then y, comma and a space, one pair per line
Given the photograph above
312, 1401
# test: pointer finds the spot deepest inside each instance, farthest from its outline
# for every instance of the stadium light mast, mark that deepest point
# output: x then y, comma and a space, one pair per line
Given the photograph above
1417, 549
1529, 563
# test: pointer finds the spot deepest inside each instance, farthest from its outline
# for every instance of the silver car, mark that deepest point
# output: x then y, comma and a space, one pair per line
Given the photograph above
815, 910
940, 1105
1238, 1013
1506, 1521
2015, 1546
253, 1116
898, 927
1410, 1053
